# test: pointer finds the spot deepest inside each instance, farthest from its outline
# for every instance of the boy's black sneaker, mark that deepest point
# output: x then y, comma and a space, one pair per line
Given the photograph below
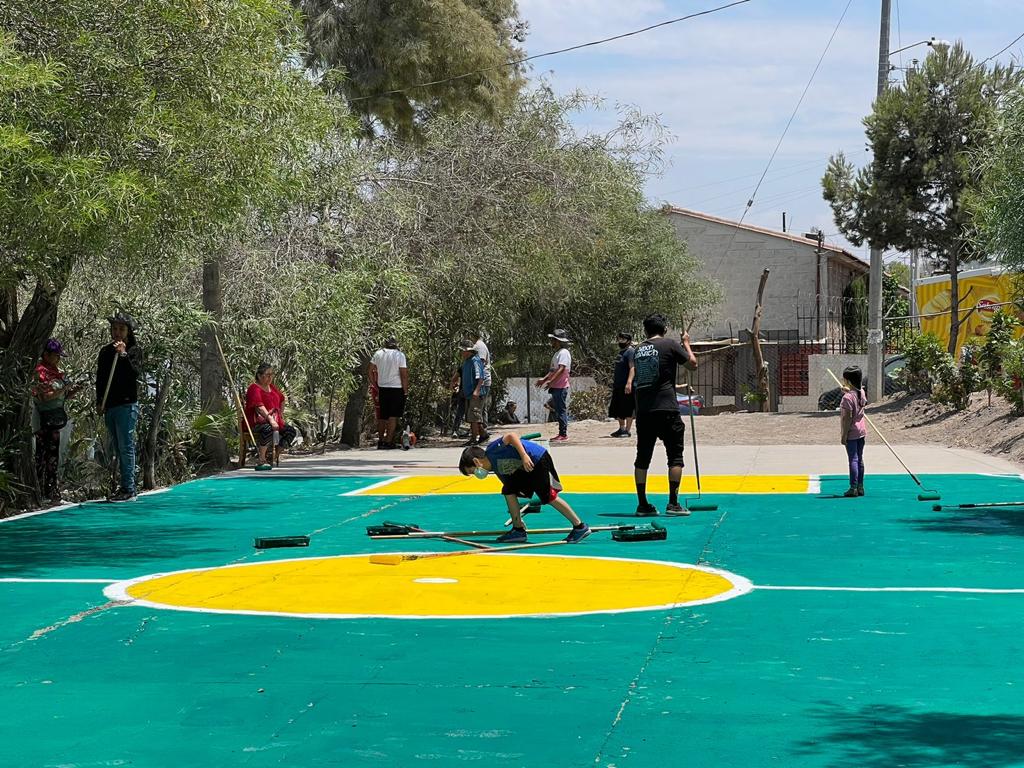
619, 433
646, 510
576, 535
123, 495
515, 536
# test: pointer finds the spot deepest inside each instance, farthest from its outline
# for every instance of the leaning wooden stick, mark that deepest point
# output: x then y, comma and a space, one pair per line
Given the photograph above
396, 559
110, 380
234, 389
443, 534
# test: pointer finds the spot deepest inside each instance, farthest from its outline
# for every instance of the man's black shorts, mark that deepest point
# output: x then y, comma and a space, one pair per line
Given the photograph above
666, 426
621, 405
392, 402
541, 482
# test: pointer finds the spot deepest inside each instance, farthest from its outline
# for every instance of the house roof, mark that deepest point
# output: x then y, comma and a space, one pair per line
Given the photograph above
844, 254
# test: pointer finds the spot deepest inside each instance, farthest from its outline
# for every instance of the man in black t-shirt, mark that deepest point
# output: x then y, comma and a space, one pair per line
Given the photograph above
657, 413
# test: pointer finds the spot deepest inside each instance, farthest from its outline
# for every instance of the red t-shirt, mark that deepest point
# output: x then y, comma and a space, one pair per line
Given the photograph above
273, 401
48, 380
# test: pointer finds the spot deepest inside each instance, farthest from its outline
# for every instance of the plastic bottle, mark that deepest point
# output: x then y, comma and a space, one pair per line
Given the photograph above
405, 438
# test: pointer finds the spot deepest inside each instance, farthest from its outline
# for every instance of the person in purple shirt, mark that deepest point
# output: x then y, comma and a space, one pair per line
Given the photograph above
525, 469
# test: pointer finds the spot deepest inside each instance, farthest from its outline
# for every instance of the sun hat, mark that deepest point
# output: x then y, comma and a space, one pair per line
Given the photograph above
560, 334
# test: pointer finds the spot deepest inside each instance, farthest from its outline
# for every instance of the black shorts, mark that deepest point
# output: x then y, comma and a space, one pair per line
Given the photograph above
622, 405
666, 426
392, 402
542, 481
264, 434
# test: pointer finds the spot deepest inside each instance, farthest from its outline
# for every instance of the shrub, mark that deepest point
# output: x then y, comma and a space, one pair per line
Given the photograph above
1009, 383
590, 404
924, 355
954, 384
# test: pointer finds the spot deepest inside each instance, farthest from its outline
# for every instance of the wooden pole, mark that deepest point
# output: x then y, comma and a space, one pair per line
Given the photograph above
755, 341
234, 389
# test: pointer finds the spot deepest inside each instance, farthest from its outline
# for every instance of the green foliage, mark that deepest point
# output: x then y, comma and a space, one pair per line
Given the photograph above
379, 49
924, 355
954, 383
590, 404
990, 355
1009, 384
998, 201
925, 135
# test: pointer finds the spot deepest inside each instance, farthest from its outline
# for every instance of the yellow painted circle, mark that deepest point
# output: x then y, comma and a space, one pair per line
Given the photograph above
481, 586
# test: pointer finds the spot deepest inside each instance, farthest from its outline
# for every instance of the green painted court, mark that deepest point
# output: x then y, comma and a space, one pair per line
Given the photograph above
877, 632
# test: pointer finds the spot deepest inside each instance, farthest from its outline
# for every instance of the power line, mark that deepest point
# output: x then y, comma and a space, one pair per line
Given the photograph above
523, 60
1004, 50
796, 109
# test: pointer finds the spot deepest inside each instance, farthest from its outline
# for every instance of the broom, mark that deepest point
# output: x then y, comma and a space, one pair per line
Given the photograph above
925, 494
698, 504
238, 399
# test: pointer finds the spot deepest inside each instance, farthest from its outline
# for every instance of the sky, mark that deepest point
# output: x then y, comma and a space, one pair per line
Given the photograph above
725, 86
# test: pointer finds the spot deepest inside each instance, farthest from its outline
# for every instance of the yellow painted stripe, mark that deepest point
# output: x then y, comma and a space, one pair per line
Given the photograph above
422, 485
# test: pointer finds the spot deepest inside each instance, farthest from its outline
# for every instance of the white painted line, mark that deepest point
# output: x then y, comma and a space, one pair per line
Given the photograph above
74, 504
13, 580
966, 590
814, 484
364, 490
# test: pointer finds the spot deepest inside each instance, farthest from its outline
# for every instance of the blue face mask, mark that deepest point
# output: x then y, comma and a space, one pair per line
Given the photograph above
480, 473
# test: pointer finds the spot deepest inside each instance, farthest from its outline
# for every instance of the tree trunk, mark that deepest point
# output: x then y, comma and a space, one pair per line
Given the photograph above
211, 370
352, 428
21, 354
149, 446
8, 313
954, 301
763, 386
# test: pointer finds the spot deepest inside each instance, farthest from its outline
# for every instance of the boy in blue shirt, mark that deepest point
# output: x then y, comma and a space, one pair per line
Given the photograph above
525, 468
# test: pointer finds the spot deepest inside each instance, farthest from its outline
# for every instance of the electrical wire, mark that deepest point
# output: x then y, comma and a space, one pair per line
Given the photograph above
524, 59
1004, 50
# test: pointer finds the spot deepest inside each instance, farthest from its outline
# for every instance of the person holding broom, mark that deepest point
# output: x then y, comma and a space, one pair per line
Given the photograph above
655, 363
118, 367
525, 468
853, 428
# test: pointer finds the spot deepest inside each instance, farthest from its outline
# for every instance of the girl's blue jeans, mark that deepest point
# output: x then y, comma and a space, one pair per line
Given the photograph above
855, 454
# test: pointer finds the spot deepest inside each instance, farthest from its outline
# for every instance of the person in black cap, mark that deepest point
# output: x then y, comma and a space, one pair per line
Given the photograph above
623, 403
118, 367
557, 381
657, 412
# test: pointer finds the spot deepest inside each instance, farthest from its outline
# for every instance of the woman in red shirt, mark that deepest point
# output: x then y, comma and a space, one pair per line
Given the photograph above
48, 393
264, 410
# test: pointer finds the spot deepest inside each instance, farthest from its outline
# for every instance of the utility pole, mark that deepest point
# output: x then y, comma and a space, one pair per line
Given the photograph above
875, 340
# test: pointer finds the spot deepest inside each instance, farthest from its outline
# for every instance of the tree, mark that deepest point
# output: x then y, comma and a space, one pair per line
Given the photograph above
137, 132
925, 134
1000, 198
379, 49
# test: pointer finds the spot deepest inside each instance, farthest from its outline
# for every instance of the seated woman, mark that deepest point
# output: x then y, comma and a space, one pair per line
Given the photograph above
264, 409
507, 415
49, 391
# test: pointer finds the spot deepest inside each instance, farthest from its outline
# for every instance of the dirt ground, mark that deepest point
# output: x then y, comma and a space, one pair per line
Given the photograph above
903, 420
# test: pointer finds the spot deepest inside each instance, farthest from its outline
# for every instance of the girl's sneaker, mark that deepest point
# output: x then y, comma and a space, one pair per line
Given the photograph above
851, 493
860, 490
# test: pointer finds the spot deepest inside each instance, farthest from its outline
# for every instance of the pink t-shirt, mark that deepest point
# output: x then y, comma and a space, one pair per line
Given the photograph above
853, 408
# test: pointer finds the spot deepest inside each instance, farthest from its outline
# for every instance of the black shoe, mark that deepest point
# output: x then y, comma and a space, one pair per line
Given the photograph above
674, 508
619, 433
123, 495
646, 510
468, 443
851, 493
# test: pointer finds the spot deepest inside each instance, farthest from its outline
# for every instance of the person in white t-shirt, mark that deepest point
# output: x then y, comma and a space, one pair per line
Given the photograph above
485, 357
557, 381
389, 375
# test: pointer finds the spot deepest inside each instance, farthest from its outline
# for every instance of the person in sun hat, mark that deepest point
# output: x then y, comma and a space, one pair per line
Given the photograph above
474, 391
622, 402
525, 469
557, 381
118, 367
49, 392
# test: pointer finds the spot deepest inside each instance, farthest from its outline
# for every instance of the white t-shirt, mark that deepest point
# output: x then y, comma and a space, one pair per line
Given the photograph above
485, 356
388, 361
561, 357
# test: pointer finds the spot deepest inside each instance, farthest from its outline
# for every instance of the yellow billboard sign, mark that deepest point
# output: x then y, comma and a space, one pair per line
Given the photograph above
983, 292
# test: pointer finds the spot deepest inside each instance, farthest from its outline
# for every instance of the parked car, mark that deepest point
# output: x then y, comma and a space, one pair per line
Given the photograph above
686, 402
829, 401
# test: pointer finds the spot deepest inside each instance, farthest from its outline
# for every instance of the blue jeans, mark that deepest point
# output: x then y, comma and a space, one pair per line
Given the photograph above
121, 421
855, 454
560, 402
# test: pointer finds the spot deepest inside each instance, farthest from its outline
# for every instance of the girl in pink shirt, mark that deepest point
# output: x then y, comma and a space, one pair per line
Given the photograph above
854, 428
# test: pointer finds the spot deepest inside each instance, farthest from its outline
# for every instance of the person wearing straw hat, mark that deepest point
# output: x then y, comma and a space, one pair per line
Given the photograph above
118, 367
657, 411
557, 381
49, 392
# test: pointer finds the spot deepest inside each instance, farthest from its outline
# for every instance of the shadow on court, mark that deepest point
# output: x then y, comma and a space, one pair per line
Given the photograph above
30, 548
1007, 522
885, 736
